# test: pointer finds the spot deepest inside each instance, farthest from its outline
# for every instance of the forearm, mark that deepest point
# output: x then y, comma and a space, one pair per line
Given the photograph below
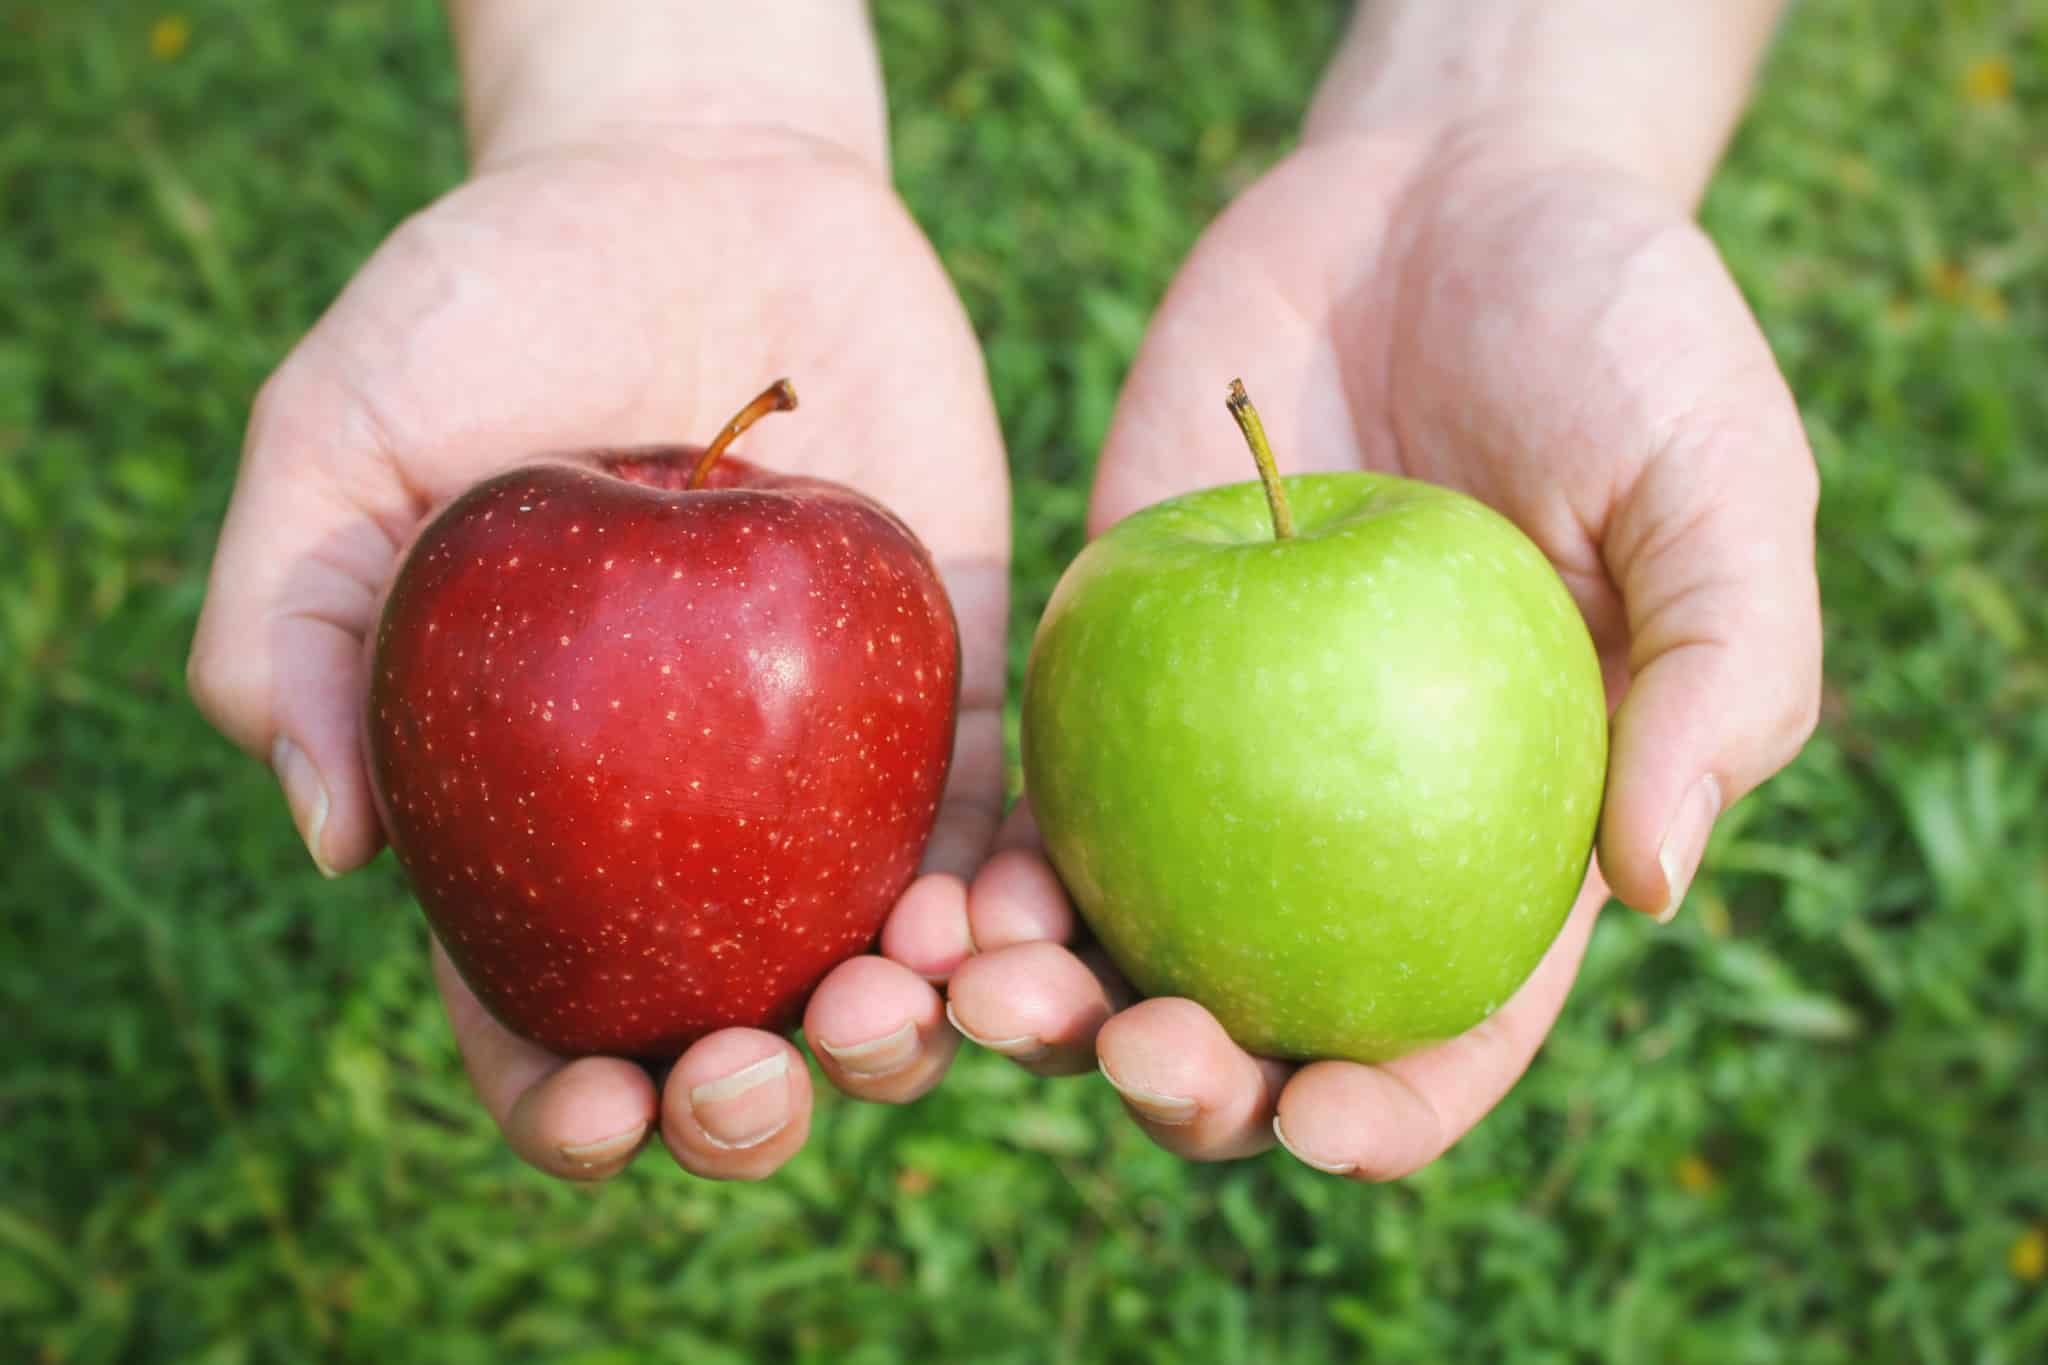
537, 73
1655, 86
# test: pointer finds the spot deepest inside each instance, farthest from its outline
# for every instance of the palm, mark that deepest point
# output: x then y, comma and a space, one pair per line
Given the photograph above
1495, 325
619, 298
630, 295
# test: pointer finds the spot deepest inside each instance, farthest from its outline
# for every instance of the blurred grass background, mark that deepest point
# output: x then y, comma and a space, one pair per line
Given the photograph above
1807, 1123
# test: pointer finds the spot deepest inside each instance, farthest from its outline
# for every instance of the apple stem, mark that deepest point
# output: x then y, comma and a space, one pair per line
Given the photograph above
1240, 405
777, 397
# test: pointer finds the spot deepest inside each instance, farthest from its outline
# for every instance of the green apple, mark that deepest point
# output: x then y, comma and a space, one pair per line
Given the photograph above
1323, 754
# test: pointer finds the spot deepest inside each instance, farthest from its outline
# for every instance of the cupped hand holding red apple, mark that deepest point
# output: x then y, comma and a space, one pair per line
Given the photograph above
615, 296
1510, 317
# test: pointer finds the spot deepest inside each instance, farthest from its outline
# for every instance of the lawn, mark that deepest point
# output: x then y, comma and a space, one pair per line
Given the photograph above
1808, 1122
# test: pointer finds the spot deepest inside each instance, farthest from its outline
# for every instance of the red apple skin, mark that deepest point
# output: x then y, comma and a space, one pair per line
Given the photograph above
655, 760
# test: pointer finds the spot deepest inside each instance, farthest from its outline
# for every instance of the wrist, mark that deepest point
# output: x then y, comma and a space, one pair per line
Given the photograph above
539, 74
1650, 90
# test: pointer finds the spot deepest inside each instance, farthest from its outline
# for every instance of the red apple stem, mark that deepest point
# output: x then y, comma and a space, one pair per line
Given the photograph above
777, 397
1240, 405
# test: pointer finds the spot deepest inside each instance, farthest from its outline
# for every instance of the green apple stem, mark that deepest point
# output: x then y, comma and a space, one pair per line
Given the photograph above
777, 397
1240, 405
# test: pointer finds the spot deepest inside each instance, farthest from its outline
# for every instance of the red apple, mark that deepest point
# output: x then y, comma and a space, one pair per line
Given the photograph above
658, 737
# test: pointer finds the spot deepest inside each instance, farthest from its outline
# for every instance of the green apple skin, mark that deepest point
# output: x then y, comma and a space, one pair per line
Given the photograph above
1340, 789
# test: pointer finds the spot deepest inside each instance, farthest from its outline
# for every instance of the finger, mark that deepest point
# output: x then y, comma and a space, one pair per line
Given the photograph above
1019, 828
1713, 550
580, 1120
927, 931
1384, 1122
1017, 898
879, 1031
1036, 1003
277, 660
1194, 1091
737, 1105
973, 800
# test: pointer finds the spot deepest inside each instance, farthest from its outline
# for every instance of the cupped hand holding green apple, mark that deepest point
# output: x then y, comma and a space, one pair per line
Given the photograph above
1322, 754
1489, 305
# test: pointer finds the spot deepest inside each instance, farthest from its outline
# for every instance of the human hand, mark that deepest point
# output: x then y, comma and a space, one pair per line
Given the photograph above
615, 290
1494, 309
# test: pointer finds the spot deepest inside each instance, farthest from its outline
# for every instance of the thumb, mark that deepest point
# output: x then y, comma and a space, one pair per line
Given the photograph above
277, 661
1713, 550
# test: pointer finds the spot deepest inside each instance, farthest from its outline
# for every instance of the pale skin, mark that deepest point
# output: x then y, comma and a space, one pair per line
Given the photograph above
1479, 269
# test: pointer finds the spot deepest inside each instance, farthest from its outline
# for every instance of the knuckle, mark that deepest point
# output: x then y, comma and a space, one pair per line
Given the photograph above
1805, 484
277, 396
1795, 710
199, 675
228, 683
1799, 717
220, 691
280, 404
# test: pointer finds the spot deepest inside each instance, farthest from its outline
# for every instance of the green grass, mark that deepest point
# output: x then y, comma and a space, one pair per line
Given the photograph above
1807, 1123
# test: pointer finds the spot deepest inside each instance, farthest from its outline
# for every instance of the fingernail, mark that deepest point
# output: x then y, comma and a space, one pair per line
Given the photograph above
604, 1151
1685, 841
1153, 1107
1326, 1167
878, 1057
1025, 1047
746, 1108
305, 793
